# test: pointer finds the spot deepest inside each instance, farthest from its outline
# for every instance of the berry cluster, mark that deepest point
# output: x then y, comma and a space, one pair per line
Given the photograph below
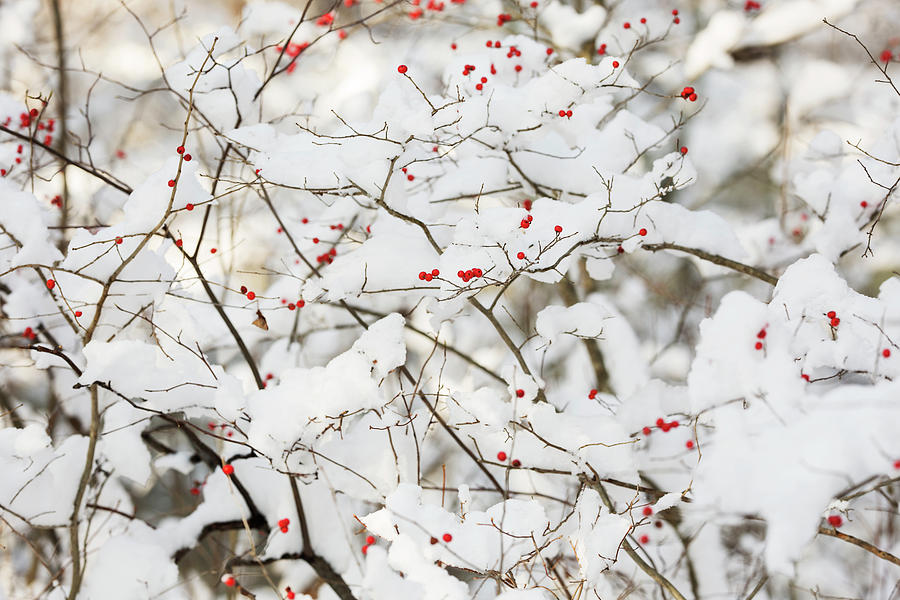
752, 5
688, 93
661, 423
470, 274
833, 319
503, 18
501, 457
425, 276
370, 540
760, 336
283, 525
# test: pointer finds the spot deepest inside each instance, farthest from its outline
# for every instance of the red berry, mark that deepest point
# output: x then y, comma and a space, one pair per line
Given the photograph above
301, 303
592, 394
683, 150
761, 334
689, 444
675, 12
180, 149
501, 456
886, 56
370, 539
804, 376
897, 464
288, 593
831, 314
187, 157
179, 243
615, 64
643, 231
520, 255
562, 112
835, 520
228, 469
646, 430
835, 322
864, 204
435, 272
213, 250
549, 51
251, 295
643, 20
758, 345
447, 537
558, 229
284, 530
627, 25
516, 463
189, 206
520, 393
422, 275
118, 240
77, 313
229, 581
365, 549
886, 353
195, 491
51, 284
644, 539
647, 511
676, 20
401, 69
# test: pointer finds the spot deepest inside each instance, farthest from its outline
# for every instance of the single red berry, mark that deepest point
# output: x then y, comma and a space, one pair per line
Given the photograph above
675, 12
569, 114
213, 250
683, 150
171, 183
643, 231
195, 491
422, 275
315, 240
33, 112
864, 204
501, 456
627, 25
410, 177
77, 313
562, 112
886, 353
251, 295
180, 149
228, 469
187, 157
189, 206
51, 284
676, 20
646, 430
644, 539
558, 229
118, 240
886, 56
284, 530
761, 334
516, 463
647, 511
520, 393
401, 69
447, 537
288, 593
179, 243
435, 272
673, 424
229, 581
758, 345
615, 64
835, 520
897, 464
689, 444
835, 322
365, 549
643, 20
520, 255
301, 303
660, 422
370, 539
804, 376
549, 51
